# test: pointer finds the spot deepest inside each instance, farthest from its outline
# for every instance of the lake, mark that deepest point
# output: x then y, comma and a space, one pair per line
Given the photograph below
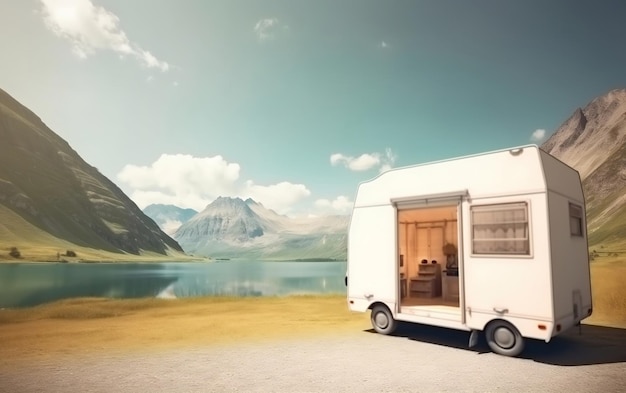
29, 284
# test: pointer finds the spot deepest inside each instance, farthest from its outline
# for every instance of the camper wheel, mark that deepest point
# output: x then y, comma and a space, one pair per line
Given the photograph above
503, 338
382, 319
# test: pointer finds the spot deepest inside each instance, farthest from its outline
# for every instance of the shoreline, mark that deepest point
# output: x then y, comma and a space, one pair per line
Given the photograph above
126, 259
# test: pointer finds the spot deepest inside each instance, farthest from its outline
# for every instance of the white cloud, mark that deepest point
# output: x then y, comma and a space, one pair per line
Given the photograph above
182, 180
90, 28
267, 29
340, 205
361, 163
365, 161
383, 44
194, 182
278, 197
538, 135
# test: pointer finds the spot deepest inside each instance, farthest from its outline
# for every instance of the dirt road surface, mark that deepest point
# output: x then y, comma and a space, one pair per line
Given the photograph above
415, 359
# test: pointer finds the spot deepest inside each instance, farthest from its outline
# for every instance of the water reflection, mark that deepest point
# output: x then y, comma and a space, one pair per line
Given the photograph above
24, 285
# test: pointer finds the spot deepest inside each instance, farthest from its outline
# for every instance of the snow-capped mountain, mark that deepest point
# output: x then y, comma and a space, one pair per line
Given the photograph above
232, 227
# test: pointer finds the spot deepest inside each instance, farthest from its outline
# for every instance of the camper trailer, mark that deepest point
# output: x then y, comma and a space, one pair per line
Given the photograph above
493, 243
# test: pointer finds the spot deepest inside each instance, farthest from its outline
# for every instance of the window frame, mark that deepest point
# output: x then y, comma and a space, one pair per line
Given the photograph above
581, 223
502, 206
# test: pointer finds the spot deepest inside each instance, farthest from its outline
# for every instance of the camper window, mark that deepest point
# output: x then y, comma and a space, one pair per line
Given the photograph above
575, 220
500, 229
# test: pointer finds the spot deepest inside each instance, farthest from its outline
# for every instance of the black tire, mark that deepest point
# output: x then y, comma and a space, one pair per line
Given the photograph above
382, 320
503, 338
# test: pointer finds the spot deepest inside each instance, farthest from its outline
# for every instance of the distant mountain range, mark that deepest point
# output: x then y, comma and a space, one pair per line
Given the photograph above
169, 217
50, 198
234, 228
593, 141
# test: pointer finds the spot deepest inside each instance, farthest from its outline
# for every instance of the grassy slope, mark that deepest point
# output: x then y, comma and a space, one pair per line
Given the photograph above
37, 245
46, 182
606, 226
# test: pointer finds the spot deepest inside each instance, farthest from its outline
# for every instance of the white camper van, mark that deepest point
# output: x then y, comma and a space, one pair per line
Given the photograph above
492, 243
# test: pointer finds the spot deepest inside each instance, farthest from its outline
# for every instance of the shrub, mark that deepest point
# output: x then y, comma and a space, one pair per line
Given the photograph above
15, 253
70, 253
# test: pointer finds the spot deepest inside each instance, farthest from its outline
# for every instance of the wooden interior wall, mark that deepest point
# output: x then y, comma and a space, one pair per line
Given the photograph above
422, 234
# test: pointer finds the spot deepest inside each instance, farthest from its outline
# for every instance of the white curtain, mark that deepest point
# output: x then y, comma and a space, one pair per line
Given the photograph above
500, 229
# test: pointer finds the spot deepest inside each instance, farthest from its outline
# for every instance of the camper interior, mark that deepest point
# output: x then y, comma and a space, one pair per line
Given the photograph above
429, 260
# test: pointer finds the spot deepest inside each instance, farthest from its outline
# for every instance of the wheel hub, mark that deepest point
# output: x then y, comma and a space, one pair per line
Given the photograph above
504, 337
381, 320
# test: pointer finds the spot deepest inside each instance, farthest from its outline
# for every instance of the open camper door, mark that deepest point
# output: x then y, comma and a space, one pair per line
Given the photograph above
429, 243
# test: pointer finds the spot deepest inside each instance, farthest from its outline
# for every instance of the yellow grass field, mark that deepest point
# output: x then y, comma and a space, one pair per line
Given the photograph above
82, 326
608, 278
87, 326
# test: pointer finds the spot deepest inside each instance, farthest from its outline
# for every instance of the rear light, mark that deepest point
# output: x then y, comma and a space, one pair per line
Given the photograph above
589, 311
541, 327
351, 301
558, 327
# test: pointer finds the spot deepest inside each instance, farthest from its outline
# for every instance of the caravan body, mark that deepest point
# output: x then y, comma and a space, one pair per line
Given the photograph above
493, 242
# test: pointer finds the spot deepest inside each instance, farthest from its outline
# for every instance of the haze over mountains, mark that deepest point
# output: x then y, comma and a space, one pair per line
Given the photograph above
593, 141
51, 198
232, 227
169, 217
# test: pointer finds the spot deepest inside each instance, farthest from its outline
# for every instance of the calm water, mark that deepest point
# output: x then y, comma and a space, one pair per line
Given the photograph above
23, 285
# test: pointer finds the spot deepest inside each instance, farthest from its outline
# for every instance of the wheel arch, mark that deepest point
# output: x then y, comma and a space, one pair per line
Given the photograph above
382, 303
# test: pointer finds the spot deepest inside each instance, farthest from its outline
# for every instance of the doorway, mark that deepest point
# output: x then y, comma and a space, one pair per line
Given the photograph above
429, 258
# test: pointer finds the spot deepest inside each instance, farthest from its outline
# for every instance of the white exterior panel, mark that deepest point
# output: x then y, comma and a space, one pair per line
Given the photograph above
521, 285
569, 264
372, 270
507, 172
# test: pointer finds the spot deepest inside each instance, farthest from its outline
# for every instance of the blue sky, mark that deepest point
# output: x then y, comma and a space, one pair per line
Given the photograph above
293, 103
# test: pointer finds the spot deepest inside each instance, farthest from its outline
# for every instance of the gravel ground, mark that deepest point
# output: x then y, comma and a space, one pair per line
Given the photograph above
423, 359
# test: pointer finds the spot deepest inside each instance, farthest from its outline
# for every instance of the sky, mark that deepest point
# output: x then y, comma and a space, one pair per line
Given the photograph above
294, 103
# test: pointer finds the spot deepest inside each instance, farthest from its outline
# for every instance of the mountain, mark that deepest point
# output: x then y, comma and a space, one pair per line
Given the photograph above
168, 217
232, 227
593, 141
50, 198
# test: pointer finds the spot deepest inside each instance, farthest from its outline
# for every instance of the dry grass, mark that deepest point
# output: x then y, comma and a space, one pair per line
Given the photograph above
608, 275
35, 252
82, 326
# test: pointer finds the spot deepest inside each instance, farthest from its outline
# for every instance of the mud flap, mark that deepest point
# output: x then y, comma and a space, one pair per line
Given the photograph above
473, 339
